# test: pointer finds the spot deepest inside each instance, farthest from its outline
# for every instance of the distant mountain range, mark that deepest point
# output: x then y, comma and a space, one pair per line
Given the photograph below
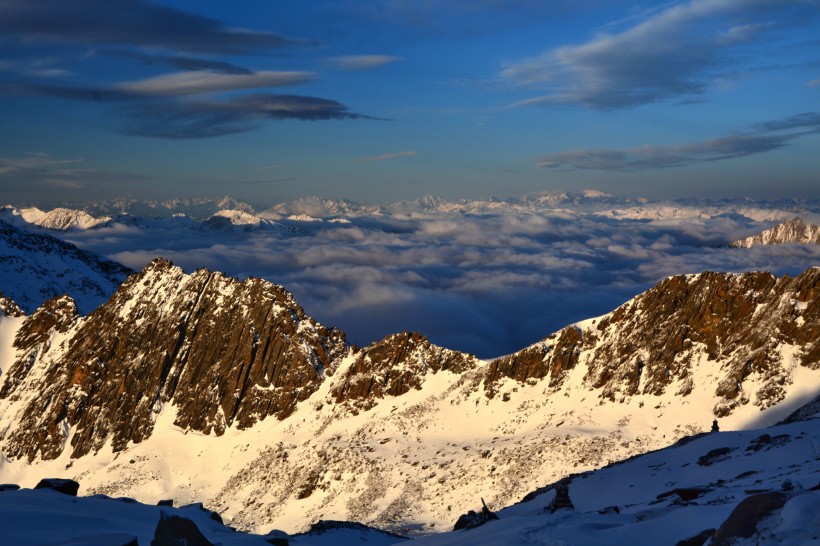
315, 208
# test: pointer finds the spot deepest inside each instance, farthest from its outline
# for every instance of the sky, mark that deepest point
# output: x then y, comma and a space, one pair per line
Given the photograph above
390, 99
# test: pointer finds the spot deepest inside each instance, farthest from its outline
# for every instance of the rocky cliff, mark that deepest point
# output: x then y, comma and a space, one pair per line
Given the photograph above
795, 231
276, 420
222, 352
744, 323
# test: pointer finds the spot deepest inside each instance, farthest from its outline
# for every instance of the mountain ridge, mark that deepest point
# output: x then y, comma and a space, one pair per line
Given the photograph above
794, 231
456, 427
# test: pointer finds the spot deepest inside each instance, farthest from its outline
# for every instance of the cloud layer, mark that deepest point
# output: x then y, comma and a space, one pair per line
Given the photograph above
486, 281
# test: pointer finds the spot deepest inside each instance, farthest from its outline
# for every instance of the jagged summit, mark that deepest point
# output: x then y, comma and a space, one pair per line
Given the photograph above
795, 231
153, 343
232, 218
747, 322
262, 402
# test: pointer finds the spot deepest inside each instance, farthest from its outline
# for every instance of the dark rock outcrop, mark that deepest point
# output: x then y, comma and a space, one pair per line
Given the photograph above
561, 500
473, 519
176, 530
395, 365
650, 344
742, 522
161, 337
61, 485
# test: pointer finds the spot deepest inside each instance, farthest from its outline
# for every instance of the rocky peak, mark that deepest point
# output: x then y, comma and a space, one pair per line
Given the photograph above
56, 315
158, 340
8, 308
744, 323
792, 231
393, 366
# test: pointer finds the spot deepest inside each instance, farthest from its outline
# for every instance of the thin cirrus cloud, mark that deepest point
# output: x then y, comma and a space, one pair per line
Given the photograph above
769, 136
181, 62
131, 22
202, 119
385, 157
361, 62
676, 53
194, 82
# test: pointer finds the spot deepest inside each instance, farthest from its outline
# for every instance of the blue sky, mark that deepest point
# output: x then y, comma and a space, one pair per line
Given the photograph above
388, 99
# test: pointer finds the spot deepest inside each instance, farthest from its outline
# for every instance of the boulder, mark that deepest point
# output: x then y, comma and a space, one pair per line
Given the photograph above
62, 485
178, 531
742, 522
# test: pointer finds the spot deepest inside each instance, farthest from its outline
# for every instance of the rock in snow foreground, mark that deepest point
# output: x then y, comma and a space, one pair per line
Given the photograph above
201, 387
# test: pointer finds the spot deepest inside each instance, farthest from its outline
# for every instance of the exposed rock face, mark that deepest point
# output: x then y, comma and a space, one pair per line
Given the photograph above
395, 365
213, 353
159, 339
793, 231
209, 353
552, 357
650, 344
8, 308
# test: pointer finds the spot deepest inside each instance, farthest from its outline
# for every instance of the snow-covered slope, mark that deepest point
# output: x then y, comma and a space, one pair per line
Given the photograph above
276, 422
35, 267
752, 487
758, 486
238, 220
59, 219
795, 231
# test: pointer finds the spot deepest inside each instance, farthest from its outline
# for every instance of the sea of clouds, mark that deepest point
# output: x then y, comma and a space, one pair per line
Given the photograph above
485, 280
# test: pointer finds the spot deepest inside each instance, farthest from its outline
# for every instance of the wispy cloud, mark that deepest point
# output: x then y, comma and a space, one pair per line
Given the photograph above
384, 157
672, 54
43, 170
361, 62
131, 22
194, 82
180, 62
183, 119
769, 136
